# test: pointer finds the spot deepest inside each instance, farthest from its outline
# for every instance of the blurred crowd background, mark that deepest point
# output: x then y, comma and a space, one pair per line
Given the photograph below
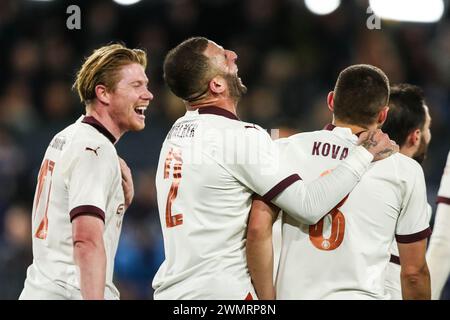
289, 59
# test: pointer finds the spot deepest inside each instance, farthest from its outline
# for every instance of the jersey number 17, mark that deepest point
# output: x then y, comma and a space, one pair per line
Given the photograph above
44, 188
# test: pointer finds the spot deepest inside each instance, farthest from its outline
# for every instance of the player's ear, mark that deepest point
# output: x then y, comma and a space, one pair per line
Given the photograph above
415, 137
382, 116
217, 85
102, 94
330, 101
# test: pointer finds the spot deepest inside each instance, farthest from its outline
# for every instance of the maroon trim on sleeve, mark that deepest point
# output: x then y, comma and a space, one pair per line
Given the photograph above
101, 128
443, 200
394, 259
218, 112
87, 211
280, 187
409, 238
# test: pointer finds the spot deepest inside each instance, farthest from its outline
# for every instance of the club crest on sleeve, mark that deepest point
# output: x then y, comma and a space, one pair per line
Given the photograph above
120, 209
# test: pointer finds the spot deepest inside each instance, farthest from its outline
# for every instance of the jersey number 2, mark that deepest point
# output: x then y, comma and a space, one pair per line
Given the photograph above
44, 180
337, 228
175, 157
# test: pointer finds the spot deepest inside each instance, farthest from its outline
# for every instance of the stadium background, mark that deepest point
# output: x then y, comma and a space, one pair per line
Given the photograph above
288, 57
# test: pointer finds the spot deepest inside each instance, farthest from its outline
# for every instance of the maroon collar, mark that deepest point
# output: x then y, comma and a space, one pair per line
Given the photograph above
217, 111
97, 125
329, 127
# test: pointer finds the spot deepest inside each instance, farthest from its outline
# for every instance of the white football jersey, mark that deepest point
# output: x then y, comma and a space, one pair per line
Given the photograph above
80, 174
392, 281
344, 256
438, 254
444, 189
209, 167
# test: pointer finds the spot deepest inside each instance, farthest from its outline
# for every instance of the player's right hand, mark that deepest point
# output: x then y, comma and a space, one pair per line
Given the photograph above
378, 143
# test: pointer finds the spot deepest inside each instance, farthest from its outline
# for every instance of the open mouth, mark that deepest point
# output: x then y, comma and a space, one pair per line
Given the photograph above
140, 110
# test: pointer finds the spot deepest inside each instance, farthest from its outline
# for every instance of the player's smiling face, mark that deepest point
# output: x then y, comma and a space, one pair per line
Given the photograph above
130, 99
225, 62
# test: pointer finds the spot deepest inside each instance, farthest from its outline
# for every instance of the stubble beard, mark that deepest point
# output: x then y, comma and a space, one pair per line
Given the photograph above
421, 153
235, 86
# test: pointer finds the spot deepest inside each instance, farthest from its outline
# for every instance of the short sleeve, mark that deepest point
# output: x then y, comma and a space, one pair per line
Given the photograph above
260, 165
90, 178
413, 223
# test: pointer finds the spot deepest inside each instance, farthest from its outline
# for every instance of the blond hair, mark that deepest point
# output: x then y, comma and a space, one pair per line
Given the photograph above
103, 66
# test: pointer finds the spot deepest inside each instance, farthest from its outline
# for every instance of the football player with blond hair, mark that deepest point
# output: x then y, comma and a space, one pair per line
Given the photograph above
83, 187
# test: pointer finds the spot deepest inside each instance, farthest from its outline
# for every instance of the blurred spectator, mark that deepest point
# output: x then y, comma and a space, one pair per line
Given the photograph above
439, 52
25, 58
58, 55
17, 111
378, 49
11, 168
102, 20
15, 251
183, 16
58, 101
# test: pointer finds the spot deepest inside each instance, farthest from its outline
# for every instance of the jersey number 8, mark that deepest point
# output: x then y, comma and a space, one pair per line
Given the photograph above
337, 228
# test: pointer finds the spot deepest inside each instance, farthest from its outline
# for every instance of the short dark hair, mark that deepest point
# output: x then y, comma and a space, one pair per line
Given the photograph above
186, 68
406, 112
360, 93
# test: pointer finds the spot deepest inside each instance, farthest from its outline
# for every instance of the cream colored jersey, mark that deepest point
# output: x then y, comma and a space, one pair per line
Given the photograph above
80, 175
345, 255
438, 254
444, 189
209, 167
393, 284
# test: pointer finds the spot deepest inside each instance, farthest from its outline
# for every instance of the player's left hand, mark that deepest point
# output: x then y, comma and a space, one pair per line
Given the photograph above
127, 183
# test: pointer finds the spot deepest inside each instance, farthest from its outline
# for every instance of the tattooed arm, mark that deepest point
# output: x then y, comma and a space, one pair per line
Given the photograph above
375, 142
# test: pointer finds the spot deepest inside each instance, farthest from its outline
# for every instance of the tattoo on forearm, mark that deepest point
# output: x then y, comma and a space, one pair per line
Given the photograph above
384, 153
370, 141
